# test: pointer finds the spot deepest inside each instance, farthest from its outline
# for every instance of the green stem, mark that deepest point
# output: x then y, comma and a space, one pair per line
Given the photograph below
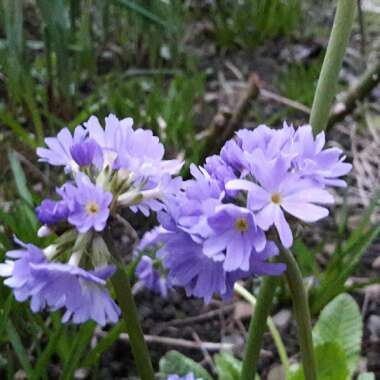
120, 282
332, 63
257, 327
302, 314
271, 326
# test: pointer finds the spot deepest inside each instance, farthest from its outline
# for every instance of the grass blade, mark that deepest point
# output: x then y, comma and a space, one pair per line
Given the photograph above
43, 360
19, 349
78, 347
20, 178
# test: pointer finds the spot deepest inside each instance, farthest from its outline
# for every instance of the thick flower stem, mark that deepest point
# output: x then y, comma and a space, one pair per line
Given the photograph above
302, 314
271, 326
257, 327
332, 63
120, 282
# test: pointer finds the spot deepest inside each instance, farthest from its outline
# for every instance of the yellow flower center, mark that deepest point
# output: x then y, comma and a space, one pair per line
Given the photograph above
276, 198
92, 208
241, 225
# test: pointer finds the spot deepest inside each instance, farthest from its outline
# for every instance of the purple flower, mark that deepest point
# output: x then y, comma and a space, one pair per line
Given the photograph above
51, 212
141, 153
109, 138
54, 285
18, 271
191, 269
89, 205
259, 264
232, 154
280, 190
189, 376
312, 161
86, 153
219, 169
234, 237
201, 196
58, 151
272, 142
82, 293
150, 276
154, 195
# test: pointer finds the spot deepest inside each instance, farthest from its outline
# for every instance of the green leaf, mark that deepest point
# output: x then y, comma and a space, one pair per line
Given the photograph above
175, 362
19, 349
331, 364
20, 179
305, 258
366, 376
142, 11
103, 345
340, 322
227, 366
42, 364
79, 345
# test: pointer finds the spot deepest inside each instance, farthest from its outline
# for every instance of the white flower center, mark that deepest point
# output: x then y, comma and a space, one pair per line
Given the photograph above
92, 208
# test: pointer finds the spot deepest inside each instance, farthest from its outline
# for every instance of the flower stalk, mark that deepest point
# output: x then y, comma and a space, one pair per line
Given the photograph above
302, 314
271, 326
257, 327
332, 63
121, 284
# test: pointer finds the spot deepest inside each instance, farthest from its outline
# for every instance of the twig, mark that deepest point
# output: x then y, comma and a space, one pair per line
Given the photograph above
287, 102
178, 342
199, 318
221, 128
363, 37
205, 353
362, 88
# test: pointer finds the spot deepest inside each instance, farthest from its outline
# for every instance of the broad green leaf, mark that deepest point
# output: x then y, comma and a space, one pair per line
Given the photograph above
227, 366
340, 322
366, 376
175, 362
331, 364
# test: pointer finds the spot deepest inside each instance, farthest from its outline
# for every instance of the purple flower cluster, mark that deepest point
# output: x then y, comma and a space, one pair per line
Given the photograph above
284, 172
55, 285
108, 168
217, 229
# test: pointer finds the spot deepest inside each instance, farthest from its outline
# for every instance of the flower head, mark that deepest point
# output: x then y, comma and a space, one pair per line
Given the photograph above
200, 237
